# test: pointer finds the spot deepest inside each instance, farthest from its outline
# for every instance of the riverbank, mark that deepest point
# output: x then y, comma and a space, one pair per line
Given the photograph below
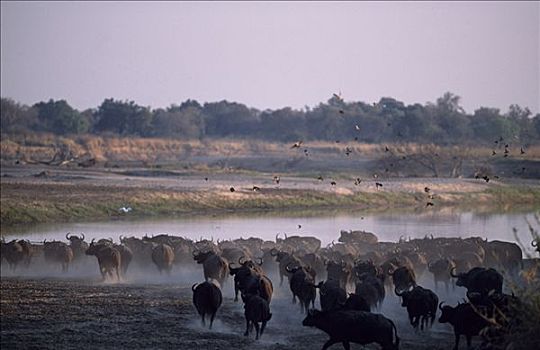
43, 194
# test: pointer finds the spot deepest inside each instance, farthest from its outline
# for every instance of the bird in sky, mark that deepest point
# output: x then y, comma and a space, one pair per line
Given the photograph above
333, 183
256, 188
357, 127
378, 184
297, 144
232, 189
521, 151
338, 96
427, 189
277, 179
320, 178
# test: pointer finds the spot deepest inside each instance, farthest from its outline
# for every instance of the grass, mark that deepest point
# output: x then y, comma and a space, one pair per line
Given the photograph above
38, 203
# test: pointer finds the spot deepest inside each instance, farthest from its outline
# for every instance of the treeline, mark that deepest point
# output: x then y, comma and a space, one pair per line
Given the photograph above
443, 122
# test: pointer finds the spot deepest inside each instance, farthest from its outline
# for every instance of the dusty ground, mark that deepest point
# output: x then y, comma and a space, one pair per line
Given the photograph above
74, 313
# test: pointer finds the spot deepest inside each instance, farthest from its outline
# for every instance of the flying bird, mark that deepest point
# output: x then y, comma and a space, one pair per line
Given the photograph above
426, 189
256, 188
348, 151
320, 178
297, 144
276, 179
357, 127
386, 149
429, 204
493, 152
333, 183
357, 181
299, 226
521, 151
378, 184
338, 97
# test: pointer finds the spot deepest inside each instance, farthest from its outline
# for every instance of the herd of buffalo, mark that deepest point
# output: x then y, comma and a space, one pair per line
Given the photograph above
358, 261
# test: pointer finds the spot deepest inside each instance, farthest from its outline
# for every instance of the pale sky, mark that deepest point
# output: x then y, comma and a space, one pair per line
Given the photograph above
271, 55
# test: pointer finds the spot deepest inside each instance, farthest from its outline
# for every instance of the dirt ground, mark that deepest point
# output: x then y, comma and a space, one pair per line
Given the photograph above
156, 312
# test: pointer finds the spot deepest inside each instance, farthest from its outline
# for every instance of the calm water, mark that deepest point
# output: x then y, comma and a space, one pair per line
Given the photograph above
388, 227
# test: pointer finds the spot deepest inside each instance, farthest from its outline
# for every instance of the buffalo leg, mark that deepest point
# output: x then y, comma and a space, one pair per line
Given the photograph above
212, 319
346, 345
257, 330
456, 341
263, 326
329, 343
118, 273
246, 333
468, 337
202, 319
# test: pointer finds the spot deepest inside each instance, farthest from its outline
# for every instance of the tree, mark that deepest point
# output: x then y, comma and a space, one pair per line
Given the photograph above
15, 117
124, 118
186, 121
59, 117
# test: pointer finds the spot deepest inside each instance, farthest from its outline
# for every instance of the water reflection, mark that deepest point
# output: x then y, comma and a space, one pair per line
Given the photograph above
388, 226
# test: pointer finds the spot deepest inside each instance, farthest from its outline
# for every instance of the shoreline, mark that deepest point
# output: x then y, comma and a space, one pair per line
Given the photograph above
33, 203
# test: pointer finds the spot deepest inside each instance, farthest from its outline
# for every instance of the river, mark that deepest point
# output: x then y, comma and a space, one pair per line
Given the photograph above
387, 226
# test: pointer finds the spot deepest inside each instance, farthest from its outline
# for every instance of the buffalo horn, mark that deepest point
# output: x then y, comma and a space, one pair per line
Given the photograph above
241, 260
534, 243
452, 272
259, 261
82, 234
398, 293
67, 234
440, 305
194, 286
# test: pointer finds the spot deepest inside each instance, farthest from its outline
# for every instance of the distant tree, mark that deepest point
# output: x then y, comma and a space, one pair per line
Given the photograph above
488, 125
283, 124
15, 117
230, 119
185, 121
124, 118
60, 118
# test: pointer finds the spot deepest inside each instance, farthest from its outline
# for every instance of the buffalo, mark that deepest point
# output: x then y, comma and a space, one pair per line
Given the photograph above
163, 257
465, 321
58, 252
214, 266
207, 299
109, 259
441, 269
479, 281
302, 286
352, 326
256, 310
332, 296
421, 304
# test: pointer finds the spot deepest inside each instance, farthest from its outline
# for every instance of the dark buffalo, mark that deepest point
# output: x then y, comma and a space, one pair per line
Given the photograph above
58, 252
163, 257
339, 271
421, 304
403, 278
357, 302
479, 282
357, 237
332, 296
256, 310
109, 259
372, 290
214, 266
284, 259
14, 253
441, 269
351, 326
465, 321
302, 286
207, 299
249, 279
77, 244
